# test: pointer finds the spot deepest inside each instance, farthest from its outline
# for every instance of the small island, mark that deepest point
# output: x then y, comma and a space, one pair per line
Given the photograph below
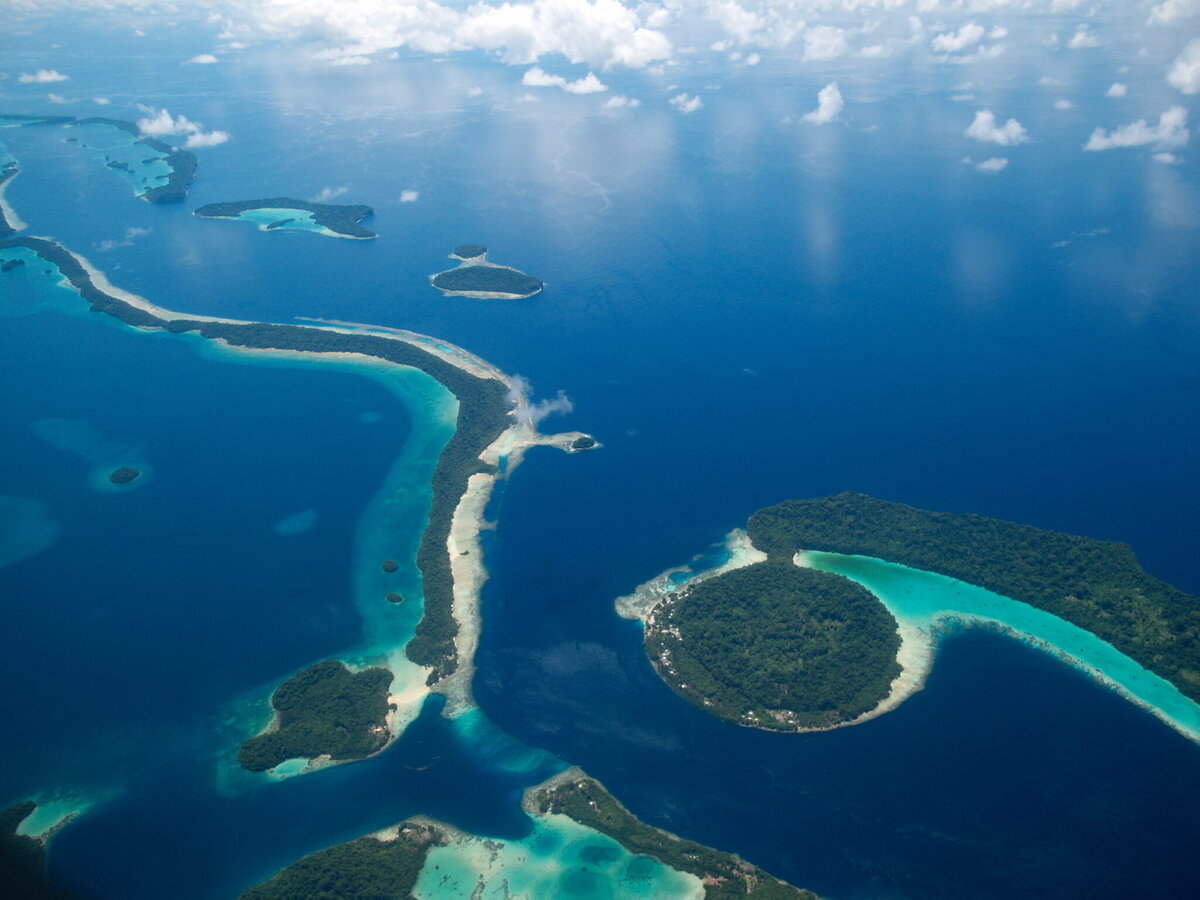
394, 597
9, 264
585, 442
776, 647
324, 711
369, 868
725, 876
336, 220
124, 475
476, 277
22, 858
389, 566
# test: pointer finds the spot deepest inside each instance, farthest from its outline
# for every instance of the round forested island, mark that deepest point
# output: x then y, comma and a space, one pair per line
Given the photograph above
487, 280
124, 475
390, 565
394, 597
585, 442
776, 646
470, 251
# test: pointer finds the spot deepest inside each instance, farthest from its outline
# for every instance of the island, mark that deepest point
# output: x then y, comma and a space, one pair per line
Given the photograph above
466, 470
1096, 585
586, 442
476, 277
394, 597
9, 264
22, 858
374, 867
325, 711
776, 647
124, 475
724, 876
9, 224
389, 566
336, 220
181, 163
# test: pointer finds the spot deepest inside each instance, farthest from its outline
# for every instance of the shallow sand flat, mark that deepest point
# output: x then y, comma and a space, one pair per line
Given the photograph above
928, 605
645, 597
10, 215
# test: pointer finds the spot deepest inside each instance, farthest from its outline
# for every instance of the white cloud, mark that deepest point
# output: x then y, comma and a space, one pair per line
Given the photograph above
953, 41
995, 164
1083, 38
1117, 90
1170, 132
101, 101
1063, 104
533, 413
753, 59
998, 32
829, 105
588, 84
823, 42
42, 76
59, 98
1169, 159
1172, 10
984, 128
160, 123
621, 101
329, 193
476, 91
131, 235
203, 59
410, 196
206, 139
686, 104
1185, 71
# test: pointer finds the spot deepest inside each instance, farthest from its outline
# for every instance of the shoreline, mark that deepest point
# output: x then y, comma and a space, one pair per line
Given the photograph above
8, 215
320, 229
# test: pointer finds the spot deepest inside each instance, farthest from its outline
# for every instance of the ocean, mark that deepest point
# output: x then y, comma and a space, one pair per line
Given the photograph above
741, 308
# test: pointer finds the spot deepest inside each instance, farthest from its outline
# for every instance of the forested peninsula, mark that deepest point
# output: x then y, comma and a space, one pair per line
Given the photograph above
341, 219
325, 710
1097, 585
483, 414
775, 646
368, 868
182, 162
725, 876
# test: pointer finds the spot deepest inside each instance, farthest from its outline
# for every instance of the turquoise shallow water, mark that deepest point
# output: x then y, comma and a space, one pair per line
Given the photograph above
560, 858
300, 220
932, 603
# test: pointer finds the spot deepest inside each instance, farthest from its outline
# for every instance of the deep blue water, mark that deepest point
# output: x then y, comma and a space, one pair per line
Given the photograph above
755, 312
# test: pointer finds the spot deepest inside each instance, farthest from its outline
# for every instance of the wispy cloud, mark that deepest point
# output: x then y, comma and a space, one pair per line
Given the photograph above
1170, 132
131, 235
1117, 90
329, 193
533, 413
954, 41
42, 76
620, 101
203, 59
993, 165
410, 196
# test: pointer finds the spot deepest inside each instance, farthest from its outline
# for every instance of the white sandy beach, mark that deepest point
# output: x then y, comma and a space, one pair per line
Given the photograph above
10, 215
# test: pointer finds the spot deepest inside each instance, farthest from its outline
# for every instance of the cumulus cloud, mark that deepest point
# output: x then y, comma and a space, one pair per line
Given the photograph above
101, 101
599, 32
1169, 159
1185, 71
203, 59
42, 76
753, 59
1117, 90
160, 123
528, 413
686, 104
328, 193
410, 196
829, 105
1083, 38
985, 129
621, 101
995, 164
59, 98
1170, 132
823, 42
1172, 10
1063, 104
953, 41
588, 84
